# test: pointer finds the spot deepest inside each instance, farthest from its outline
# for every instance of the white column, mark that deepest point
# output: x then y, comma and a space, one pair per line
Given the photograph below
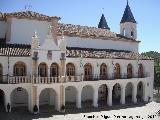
37, 103
95, 98
30, 101
48, 71
78, 99
134, 94
145, 97
7, 100
123, 95
57, 105
109, 98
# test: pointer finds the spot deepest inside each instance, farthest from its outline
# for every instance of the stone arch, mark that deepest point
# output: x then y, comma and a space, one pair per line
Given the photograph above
19, 69
48, 100
140, 70
102, 95
1, 73
70, 97
2, 100
117, 71
140, 91
129, 92
116, 93
87, 95
54, 70
70, 69
88, 70
129, 70
19, 98
103, 71
43, 69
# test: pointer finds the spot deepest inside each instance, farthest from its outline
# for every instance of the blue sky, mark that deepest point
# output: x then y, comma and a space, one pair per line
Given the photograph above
88, 12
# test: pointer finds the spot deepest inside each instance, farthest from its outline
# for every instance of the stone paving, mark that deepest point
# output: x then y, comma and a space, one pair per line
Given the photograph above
133, 112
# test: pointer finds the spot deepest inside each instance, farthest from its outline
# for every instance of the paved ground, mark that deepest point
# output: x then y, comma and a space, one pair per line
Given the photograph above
129, 112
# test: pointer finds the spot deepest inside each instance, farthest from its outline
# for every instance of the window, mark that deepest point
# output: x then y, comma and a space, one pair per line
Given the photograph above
49, 55
117, 71
140, 71
54, 70
129, 71
103, 72
88, 72
42, 70
70, 69
19, 69
132, 34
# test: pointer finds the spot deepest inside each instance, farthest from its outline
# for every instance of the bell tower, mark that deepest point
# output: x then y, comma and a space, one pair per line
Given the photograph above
128, 25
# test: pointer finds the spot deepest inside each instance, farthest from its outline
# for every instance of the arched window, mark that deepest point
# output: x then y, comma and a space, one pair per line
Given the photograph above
42, 70
54, 70
117, 71
88, 72
1, 73
132, 34
103, 72
140, 71
129, 71
19, 69
70, 69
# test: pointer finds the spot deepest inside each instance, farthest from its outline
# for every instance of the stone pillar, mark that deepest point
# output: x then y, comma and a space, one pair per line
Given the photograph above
7, 100
134, 94
109, 98
62, 96
145, 97
78, 99
123, 95
34, 98
48, 71
95, 98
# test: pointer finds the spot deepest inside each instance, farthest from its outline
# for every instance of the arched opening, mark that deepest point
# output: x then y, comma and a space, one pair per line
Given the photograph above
42, 70
88, 72
132, 34
1, 73
129, 71
103, 72
87, 96
117, 71
19, 69
19, 99
54, 70
70, 69
2, 104
128, 92
47, 100
70, 97
140, 92
140, 71
102, 95
116, 94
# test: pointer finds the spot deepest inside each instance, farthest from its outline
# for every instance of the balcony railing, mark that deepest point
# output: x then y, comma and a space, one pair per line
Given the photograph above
62, 79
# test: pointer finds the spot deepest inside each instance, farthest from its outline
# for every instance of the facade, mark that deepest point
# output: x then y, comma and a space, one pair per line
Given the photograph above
44, 62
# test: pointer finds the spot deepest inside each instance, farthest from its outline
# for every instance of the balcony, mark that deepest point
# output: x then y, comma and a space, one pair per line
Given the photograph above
64, 79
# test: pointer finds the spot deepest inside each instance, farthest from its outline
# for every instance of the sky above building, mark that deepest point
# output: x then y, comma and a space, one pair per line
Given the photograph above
88, 13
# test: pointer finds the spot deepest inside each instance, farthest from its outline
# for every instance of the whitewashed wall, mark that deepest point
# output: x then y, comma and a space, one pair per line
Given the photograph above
101, 44
22, 30
2, 29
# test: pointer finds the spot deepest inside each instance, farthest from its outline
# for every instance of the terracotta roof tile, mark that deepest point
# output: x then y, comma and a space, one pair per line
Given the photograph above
15, 50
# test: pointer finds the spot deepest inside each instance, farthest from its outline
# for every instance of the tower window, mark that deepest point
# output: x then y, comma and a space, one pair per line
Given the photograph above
132, 34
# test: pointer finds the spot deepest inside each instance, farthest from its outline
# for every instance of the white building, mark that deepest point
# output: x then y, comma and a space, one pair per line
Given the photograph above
71, 65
